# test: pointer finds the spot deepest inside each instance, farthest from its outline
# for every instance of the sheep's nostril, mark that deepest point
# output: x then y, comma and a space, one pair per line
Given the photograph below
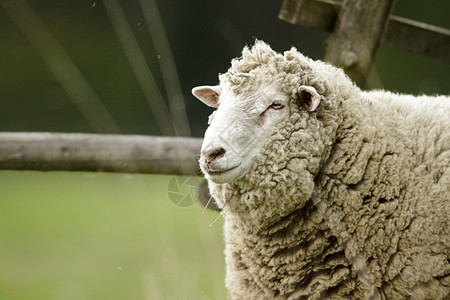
213, 155
218, 153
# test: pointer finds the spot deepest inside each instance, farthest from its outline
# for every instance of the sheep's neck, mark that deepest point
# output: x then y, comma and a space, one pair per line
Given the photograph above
291, 255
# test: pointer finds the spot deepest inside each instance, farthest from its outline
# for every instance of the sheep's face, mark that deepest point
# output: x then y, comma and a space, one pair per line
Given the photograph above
238, 129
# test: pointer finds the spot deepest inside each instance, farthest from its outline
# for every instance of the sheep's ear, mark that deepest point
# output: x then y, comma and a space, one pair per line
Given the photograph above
308, 97
207, 94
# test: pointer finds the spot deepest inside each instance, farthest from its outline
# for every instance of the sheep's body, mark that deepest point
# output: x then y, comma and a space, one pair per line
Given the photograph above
351, 201
396, 210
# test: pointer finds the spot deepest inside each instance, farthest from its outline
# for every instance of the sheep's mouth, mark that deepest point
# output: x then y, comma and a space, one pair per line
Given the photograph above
221, 172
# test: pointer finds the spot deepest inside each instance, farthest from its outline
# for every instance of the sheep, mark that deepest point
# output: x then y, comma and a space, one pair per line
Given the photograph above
327, 191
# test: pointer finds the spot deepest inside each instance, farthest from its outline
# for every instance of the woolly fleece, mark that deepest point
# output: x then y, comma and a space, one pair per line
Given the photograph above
377, 165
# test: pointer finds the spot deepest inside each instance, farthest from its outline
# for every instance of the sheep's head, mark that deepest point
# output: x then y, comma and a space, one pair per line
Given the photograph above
254, 97
241, 125
275, 122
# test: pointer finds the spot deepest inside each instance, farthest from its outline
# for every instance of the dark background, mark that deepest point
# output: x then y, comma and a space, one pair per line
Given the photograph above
204, 37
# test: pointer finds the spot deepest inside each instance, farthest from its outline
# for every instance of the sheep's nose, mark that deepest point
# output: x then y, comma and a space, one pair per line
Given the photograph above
211, 156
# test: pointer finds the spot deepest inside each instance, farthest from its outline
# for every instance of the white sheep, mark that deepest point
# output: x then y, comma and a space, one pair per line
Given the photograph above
327, 190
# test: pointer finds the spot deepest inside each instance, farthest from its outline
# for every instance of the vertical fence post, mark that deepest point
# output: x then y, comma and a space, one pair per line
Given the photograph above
357, 36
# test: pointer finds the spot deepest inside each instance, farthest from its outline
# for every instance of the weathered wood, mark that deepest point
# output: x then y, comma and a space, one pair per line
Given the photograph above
402, 33
313, 14
357, 35
95, 152
419, 38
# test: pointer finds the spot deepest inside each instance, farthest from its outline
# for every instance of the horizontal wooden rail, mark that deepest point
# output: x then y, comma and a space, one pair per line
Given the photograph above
96, 152
402, 33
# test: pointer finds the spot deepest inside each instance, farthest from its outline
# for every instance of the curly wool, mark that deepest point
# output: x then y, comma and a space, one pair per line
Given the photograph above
380, 163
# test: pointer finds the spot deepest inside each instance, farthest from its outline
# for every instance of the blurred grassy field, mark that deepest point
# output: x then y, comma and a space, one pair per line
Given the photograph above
104, 236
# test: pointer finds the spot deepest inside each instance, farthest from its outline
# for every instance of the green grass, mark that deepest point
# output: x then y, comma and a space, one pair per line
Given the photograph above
104, 236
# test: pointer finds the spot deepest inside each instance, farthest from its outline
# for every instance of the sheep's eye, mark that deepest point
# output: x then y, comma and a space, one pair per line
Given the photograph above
276, 105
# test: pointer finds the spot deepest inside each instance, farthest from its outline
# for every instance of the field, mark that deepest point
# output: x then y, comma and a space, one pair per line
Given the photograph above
104, 236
